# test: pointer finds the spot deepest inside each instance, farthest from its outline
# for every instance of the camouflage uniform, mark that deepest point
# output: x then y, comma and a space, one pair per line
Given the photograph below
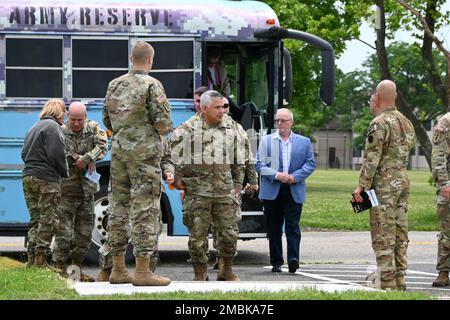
206, 159
76, 219
42, 198
105, 261
137, 111
45, 165
390, 138
440, 158
248, 169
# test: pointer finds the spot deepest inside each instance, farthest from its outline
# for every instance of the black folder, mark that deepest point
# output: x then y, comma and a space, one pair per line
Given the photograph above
369, 200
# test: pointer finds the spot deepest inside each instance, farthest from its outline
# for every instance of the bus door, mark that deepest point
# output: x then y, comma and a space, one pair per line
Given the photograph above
252, 70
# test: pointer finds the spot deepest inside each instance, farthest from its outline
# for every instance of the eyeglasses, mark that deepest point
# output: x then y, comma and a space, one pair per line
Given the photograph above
282, 120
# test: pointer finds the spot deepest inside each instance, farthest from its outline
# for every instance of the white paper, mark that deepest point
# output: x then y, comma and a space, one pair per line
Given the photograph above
372, 197
94, 176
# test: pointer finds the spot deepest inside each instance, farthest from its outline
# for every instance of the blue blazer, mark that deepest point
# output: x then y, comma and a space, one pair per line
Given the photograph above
269, 163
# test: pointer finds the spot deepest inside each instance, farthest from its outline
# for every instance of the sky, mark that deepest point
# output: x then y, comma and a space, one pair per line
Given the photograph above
357, 52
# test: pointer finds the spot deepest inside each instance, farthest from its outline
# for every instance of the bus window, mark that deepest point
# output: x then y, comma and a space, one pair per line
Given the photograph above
95, 63
252, 77
174, 64
34, 67
231, 63
256, 87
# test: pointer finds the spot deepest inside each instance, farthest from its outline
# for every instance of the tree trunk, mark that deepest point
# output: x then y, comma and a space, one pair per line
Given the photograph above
402, 104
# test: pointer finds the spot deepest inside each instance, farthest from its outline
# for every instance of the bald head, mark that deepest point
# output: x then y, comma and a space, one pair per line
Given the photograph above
387, 93
77, 108
142, 54
77, 116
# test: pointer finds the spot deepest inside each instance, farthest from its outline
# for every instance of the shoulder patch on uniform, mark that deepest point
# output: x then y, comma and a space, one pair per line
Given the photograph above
161, 98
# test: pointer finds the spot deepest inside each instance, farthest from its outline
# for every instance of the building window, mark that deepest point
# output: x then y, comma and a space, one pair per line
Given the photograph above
95, 63
34, 67
357, 152
173, 65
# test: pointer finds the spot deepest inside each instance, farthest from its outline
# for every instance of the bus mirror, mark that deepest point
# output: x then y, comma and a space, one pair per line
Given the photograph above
287, 78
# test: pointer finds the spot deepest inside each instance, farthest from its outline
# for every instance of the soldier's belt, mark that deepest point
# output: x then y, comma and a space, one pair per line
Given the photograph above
211, 166
392, 168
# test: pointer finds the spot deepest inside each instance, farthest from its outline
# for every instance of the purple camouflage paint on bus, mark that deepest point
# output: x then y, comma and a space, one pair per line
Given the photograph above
212, 20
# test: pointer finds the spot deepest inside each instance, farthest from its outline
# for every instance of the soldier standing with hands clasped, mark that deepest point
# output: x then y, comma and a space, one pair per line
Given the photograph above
212, 178
390, 138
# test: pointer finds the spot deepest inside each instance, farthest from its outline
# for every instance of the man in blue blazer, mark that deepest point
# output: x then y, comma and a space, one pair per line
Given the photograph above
284, 161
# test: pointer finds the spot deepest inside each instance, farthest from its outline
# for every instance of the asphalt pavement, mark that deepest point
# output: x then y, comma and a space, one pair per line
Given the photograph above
326, 257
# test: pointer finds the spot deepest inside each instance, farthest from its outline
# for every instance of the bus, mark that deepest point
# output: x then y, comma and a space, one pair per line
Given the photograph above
72, 49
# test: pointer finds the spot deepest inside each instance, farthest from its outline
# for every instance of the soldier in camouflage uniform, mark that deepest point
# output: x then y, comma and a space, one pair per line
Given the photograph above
105, 251
247, 170
440, 157
205, 152
45, 165
137, 111
86, 142
390, 138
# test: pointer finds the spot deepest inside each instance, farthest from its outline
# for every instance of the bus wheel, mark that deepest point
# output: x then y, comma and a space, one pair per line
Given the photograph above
100, 230
101, 214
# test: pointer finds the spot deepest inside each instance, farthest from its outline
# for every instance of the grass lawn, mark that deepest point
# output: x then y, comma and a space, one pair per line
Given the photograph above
328, 195
19, 283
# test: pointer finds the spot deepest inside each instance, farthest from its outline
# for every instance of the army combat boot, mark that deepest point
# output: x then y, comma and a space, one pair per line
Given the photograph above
216, 264
83, 276
154, 261
401, 283
40, 261
144, 277
441, 280
62, 267
200, 271
388, 284
119, 273
225, 271
104, 275
30, 261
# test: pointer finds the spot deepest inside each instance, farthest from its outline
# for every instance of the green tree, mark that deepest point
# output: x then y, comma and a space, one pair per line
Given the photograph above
428, 16
411, 76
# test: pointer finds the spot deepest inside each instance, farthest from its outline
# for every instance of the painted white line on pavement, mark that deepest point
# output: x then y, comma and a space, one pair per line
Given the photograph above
335, 270
421, 272
337, 266
428, 289
319, 277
